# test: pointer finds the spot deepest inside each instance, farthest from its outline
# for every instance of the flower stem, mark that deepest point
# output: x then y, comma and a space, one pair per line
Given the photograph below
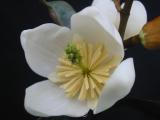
131, 42
124, 15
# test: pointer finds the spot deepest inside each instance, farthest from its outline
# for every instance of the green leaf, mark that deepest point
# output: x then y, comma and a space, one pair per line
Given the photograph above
60, 11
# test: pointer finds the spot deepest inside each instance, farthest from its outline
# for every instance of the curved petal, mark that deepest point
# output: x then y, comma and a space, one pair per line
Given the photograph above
137, 19
118, 86
95, 27
45, 99
108, 8
43, 45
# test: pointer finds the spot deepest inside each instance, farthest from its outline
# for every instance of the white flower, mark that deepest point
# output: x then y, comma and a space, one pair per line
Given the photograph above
137, 19
99, 45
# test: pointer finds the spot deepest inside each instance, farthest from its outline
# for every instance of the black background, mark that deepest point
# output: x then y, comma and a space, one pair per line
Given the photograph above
17, 15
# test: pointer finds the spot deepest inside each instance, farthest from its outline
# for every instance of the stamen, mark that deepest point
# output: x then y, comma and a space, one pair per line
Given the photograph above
82, 71
86, 82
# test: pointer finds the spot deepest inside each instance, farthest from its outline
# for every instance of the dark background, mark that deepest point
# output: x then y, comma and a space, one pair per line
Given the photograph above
17, 15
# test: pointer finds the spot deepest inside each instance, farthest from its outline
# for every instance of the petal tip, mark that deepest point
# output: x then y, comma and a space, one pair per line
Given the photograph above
23, 38
118, 86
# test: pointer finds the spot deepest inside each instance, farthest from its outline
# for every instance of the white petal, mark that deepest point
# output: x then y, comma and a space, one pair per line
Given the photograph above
137, 19
95, 27
45, 99
107, 7
43, 45
118, 86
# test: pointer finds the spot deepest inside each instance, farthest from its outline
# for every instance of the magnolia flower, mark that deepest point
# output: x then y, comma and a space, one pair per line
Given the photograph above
82, 66
137, 19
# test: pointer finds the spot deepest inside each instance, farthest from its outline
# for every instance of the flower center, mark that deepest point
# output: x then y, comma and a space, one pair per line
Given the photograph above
83, 70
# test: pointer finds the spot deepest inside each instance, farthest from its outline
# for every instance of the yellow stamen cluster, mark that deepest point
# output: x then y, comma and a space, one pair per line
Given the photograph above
86, 79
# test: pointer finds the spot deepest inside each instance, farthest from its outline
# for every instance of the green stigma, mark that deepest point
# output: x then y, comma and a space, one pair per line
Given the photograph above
73, 54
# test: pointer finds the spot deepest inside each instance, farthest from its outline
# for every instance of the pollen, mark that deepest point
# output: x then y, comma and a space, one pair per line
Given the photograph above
84, 80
